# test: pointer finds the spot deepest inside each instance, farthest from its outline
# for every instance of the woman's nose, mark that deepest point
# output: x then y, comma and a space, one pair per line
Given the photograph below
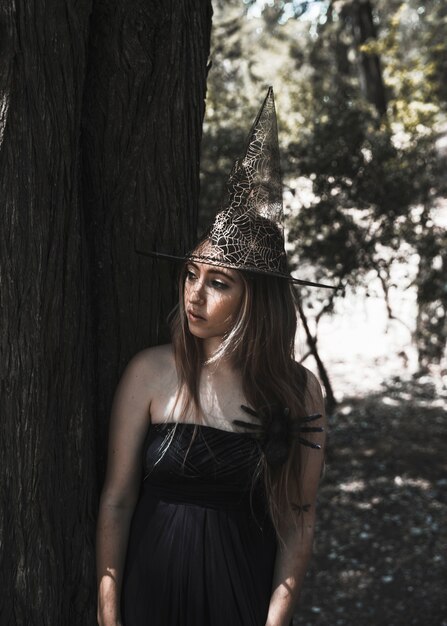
197, 293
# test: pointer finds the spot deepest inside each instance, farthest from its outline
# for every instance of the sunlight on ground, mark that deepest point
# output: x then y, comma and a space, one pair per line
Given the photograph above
360, 347
420, 483
352, 486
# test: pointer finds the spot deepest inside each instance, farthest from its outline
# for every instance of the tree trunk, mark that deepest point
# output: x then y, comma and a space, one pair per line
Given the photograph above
142, 125
430, 334
331, 402
370, 72
47, 487
142, 106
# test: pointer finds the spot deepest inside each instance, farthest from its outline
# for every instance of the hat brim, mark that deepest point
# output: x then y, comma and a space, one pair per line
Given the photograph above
219, 263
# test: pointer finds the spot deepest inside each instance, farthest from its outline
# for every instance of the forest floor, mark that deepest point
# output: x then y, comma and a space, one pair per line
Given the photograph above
381, 544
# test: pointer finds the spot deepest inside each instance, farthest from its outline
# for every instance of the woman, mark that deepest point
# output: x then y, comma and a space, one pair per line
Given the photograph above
221, 530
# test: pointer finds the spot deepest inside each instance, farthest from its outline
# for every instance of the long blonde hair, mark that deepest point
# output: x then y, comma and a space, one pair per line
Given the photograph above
260, 346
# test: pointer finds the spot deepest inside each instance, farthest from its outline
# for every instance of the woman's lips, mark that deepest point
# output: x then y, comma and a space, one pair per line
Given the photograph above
194, 317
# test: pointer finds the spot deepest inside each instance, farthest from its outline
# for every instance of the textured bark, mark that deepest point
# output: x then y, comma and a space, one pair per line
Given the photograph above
46, 429
142, 125
76, 301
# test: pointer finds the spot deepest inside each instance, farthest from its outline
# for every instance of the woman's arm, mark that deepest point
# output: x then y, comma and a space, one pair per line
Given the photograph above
129, 422
293, 557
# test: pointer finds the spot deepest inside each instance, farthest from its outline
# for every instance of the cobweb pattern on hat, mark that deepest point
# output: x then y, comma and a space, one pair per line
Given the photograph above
247, 232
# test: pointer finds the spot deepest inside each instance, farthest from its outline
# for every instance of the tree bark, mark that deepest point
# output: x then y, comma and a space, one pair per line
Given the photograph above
370, 73
47, 486
142, 126
76, 301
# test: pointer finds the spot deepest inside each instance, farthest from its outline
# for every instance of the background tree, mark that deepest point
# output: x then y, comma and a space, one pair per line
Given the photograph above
358, 14
392, 173
76, 301
361, 121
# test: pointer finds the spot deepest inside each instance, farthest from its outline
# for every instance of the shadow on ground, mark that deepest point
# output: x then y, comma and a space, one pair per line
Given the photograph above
381, 546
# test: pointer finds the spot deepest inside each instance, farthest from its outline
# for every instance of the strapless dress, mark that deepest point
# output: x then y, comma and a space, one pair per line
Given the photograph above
202, 546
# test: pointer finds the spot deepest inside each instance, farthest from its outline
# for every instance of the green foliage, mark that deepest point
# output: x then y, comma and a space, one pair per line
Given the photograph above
370, 175
229, 110
374, 179
364, 185
245, 60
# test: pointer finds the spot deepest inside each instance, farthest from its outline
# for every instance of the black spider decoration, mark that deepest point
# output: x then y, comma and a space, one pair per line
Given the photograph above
276, 430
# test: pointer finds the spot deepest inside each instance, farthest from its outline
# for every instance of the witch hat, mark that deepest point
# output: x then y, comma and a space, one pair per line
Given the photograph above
247, 233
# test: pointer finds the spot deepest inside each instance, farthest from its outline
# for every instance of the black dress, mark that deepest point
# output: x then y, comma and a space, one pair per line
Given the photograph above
201, 550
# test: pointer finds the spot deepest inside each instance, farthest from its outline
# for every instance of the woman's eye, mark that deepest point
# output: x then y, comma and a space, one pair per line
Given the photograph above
219, 285
190, 275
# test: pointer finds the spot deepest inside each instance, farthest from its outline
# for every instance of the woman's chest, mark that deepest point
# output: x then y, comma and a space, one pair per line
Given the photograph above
220, 402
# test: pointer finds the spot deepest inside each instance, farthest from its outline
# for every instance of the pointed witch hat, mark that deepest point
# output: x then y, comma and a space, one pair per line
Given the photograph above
247, 233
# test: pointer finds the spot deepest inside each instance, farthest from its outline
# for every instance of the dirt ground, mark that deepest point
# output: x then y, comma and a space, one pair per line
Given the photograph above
381, 544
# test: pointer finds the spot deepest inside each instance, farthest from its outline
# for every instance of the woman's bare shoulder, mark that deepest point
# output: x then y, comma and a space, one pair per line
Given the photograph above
155, 358
150, 367
313, 392
148, 373
313, 384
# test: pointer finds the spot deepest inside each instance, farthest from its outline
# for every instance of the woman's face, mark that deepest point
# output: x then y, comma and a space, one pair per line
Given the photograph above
212, 299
